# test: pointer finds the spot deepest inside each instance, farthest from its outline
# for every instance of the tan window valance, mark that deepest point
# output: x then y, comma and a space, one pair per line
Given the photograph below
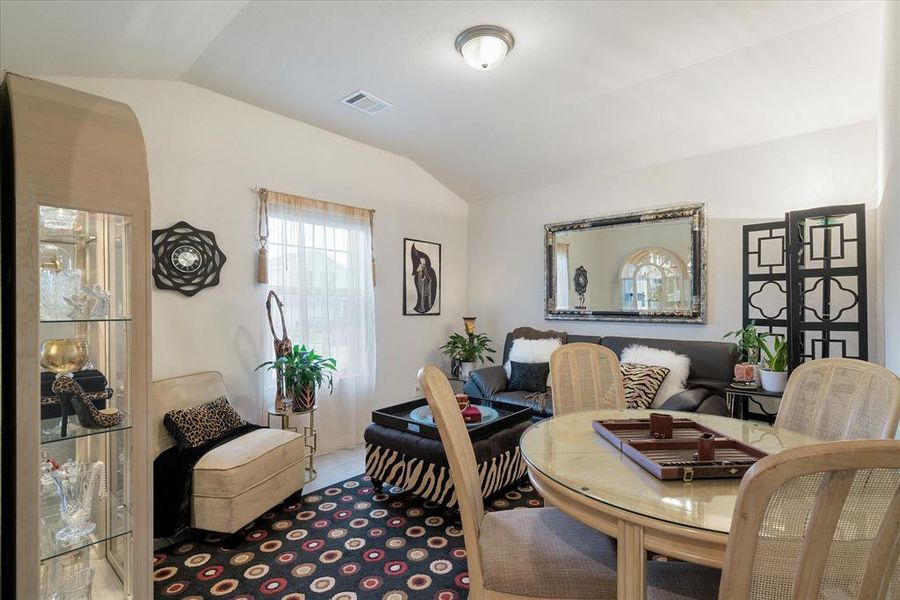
267, 197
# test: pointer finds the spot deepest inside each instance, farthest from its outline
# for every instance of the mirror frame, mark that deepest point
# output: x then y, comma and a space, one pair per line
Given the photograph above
696, 314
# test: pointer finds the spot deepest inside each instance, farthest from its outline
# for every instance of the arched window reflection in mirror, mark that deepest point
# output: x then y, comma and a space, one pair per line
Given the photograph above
653, 280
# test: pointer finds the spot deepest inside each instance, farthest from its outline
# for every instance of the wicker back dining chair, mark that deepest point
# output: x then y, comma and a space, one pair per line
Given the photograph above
841, 399
819, 521
536, 552
585, 377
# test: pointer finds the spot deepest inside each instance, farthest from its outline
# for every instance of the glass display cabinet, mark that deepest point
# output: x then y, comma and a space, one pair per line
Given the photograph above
75, 343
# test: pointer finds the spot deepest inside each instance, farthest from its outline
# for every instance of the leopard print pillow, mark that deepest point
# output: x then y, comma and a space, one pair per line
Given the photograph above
197, 425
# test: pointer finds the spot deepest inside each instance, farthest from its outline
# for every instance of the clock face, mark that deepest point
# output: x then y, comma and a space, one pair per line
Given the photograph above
186, 259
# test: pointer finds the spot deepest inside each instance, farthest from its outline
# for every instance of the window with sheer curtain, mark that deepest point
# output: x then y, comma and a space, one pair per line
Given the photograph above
320, 265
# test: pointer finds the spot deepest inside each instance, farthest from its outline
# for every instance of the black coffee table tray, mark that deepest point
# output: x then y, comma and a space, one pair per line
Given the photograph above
397, 417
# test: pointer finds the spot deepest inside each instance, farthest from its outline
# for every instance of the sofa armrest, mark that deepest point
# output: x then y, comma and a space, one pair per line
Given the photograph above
487, 382
714, 405
686, 401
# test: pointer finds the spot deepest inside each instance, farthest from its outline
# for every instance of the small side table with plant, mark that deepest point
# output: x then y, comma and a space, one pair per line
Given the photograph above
468, 349
771, 372
302, 372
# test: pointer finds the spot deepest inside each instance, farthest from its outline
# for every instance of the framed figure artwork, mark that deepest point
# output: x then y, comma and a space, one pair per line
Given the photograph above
421, 277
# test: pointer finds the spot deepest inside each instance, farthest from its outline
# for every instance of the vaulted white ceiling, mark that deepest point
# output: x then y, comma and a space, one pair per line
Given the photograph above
591, 87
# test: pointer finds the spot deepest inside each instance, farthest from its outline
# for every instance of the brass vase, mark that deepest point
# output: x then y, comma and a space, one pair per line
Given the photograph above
62, 356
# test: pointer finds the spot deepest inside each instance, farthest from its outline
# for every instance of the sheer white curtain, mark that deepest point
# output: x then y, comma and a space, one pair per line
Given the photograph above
320, 264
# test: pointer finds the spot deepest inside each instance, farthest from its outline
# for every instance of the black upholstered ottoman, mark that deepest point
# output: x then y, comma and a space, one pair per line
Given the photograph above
418, 464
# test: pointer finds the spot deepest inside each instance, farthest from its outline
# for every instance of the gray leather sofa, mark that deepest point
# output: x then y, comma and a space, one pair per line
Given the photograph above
712, 370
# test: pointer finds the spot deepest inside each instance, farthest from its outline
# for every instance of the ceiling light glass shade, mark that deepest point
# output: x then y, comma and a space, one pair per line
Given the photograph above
484, 47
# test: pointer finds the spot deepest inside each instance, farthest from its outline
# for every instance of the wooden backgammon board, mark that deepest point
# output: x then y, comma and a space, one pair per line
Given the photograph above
676, 457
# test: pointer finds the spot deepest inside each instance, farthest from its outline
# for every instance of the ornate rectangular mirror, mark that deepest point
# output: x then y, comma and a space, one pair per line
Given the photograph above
645, 266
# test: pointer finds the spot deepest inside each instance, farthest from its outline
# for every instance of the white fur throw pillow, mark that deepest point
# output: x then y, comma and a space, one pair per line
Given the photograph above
679, 367
531, 351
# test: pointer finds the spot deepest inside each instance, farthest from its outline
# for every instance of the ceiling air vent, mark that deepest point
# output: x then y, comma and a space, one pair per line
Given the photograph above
366, 102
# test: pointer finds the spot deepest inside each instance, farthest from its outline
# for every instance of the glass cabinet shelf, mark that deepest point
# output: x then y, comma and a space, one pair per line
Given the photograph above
74, 239
103, 320
50, 429
55, 551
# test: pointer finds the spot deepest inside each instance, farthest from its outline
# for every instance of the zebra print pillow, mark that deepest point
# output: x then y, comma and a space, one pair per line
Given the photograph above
641, 383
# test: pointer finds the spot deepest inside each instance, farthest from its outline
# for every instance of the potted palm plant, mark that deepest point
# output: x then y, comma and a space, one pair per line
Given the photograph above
748, 341
303, 371
774, 372
468, 349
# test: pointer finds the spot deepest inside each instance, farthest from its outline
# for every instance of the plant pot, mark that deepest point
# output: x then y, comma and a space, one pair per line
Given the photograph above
465, 369
773, 381
744, 372
304, 398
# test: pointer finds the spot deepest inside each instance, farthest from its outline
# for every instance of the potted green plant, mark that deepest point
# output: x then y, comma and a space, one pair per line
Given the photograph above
468, 349
774, 372
303, 371
748, 342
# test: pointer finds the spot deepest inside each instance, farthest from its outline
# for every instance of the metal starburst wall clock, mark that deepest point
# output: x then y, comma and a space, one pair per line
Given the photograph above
186, 259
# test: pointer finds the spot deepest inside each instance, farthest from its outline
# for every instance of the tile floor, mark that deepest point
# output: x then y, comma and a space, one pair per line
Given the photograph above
337, 466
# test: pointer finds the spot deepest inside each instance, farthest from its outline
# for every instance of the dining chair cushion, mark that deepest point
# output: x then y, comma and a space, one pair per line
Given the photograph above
676, 580
540, 552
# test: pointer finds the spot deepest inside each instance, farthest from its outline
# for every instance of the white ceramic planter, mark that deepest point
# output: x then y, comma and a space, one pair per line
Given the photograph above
465, 369
773, 381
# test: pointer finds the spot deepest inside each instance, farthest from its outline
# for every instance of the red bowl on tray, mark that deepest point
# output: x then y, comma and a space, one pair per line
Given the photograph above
471, 414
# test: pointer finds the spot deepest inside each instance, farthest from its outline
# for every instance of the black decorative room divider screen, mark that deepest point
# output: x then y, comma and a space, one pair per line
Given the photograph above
805, 278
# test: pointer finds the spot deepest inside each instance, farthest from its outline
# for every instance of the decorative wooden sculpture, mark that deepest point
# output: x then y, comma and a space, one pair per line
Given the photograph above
282, 345
186, 259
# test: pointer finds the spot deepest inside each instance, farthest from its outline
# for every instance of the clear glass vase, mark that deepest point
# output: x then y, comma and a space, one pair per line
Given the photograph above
76, 483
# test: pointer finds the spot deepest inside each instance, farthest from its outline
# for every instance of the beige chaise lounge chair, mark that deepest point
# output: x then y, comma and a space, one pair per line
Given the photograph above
236, 482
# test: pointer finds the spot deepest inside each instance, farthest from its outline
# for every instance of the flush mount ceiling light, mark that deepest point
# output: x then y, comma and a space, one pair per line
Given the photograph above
484, 47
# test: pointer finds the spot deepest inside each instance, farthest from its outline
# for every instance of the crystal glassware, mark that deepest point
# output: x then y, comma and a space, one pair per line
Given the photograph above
58, 219
77, 482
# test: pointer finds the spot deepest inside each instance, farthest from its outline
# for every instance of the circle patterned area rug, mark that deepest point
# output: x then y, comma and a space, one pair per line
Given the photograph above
344, 542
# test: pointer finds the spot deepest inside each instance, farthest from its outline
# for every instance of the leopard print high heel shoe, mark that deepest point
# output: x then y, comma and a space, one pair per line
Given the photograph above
82, 402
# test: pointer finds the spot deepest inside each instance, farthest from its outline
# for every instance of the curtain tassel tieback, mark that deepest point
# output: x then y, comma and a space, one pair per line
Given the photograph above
262, 258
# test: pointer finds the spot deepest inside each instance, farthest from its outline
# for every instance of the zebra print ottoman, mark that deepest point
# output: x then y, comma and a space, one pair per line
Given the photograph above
419, 465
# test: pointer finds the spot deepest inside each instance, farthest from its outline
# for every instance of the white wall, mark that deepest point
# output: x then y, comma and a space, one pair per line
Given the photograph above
889, 185
205, 152
740, 186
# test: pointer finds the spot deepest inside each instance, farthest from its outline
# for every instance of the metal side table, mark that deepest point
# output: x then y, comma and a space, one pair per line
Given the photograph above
738, 399
309, 433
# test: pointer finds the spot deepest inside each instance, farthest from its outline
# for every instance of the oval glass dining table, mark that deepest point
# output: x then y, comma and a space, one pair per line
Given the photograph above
586, 477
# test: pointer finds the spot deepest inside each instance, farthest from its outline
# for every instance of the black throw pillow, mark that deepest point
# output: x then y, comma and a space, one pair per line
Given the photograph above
528, 377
